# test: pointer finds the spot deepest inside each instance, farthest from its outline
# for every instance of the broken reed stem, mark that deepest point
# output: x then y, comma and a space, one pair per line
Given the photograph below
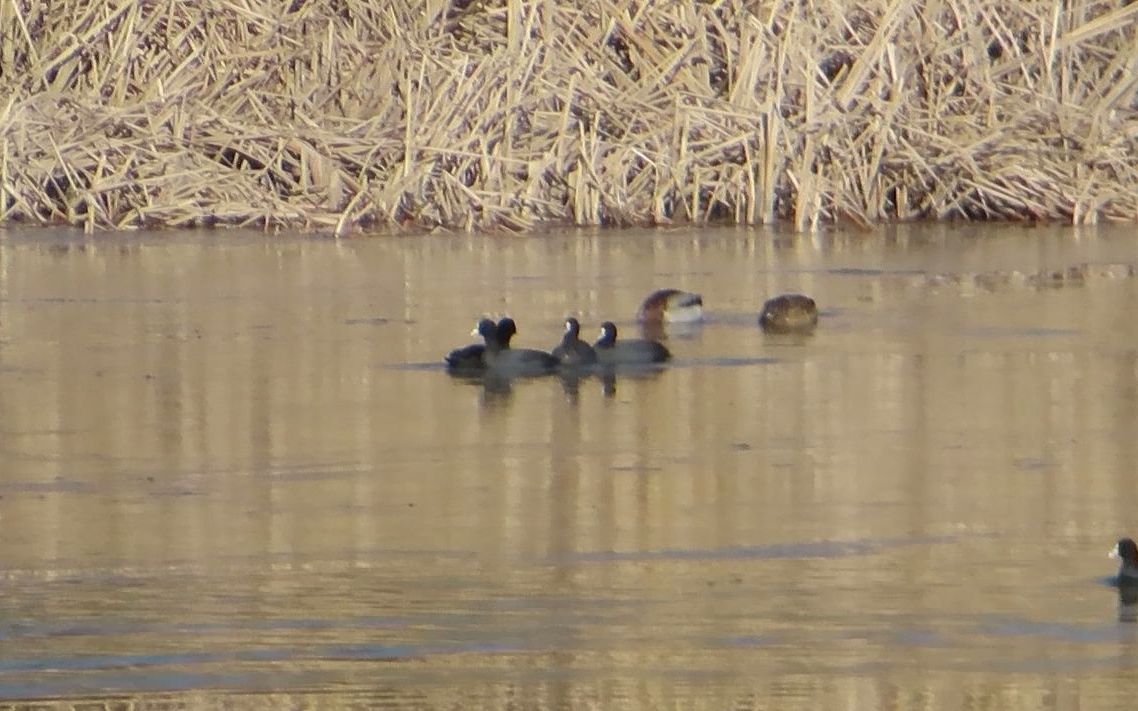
510, 114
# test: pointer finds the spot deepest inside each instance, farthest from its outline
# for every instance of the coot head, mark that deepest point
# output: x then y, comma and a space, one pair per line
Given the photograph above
507, 329
471, 360
488, 330
608, 335
1126, 553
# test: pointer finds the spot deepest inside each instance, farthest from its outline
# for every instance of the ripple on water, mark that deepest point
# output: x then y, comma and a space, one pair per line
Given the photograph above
816, 549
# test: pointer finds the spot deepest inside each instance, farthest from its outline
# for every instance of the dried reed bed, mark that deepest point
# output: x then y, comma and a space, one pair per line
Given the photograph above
340, 114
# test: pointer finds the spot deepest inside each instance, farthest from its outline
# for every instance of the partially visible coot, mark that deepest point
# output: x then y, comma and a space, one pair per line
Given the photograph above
1126, 553
610, 351
572, 351
466, 359
502, 359
471, 360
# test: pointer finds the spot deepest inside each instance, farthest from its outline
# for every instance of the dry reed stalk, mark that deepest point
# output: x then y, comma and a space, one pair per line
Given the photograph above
516, 113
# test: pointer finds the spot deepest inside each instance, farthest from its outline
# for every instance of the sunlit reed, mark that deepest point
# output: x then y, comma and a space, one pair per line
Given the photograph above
509, 114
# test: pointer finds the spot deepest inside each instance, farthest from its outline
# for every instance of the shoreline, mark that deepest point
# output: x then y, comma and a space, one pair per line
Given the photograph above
514, 116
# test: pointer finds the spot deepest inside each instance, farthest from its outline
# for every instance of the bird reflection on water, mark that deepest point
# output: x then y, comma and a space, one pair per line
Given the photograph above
1126, 553
497, 388
1128, 602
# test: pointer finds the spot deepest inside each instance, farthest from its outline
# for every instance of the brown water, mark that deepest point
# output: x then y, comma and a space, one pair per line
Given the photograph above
234, 474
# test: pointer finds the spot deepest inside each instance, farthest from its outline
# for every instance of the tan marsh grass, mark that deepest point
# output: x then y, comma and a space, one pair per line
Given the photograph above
341, 114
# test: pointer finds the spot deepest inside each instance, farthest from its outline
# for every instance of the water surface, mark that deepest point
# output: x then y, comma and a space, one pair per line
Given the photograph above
234, 473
